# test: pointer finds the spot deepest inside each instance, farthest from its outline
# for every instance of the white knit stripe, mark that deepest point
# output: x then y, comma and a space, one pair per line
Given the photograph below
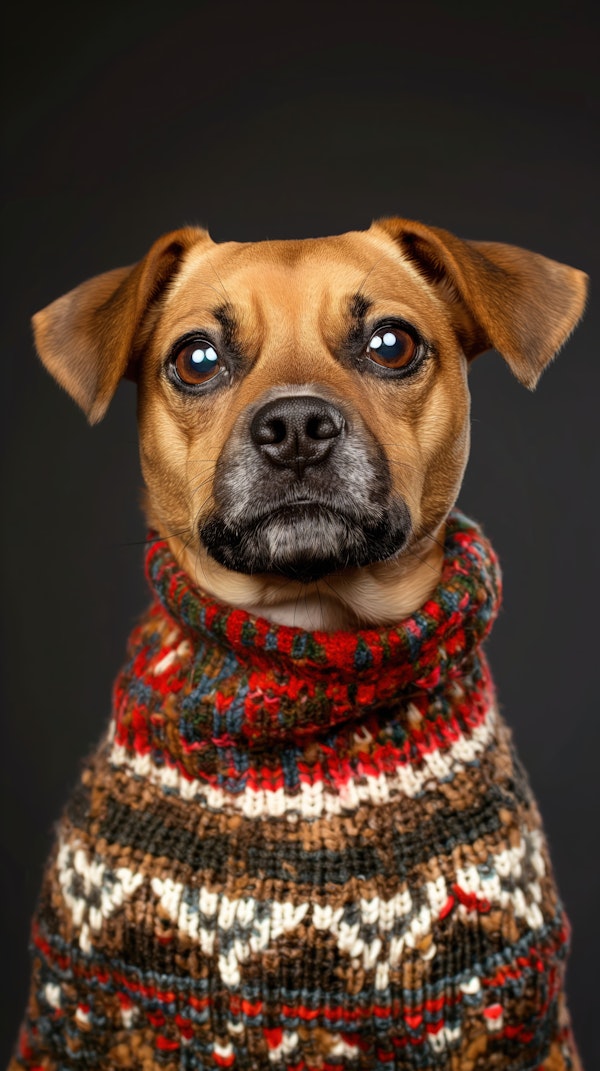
76, 868
318, 799
508, 864
290, 1042
446, 1038
372, 932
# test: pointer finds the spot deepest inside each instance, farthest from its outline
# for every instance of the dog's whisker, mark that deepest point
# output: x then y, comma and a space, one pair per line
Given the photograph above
200, 508
227, 298
296, 604
198, 558
413, 554
209, 286
371, 269
151, 539
406, 465
194, 490
403, 460
325, 581
320, 601
189, 541
438, 542
329, 585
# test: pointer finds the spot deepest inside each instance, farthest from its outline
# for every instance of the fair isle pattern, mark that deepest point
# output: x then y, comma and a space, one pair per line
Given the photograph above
299, 851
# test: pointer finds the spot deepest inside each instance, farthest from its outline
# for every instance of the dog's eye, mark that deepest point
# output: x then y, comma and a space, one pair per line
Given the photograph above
196, 363
392, 347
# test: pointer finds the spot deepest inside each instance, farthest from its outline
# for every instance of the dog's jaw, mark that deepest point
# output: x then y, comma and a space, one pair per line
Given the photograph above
306, 541
375, 595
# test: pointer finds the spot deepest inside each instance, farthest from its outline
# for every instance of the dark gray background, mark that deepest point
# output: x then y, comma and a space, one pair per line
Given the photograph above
258, 121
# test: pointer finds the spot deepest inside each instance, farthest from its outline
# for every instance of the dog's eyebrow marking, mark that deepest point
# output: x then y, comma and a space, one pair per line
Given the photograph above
359, 306
225, 315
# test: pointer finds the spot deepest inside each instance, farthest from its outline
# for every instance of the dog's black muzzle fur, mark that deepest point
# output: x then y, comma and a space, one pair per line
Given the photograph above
303, 491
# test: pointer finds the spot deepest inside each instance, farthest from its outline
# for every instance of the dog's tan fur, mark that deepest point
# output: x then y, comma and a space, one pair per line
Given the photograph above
291, 301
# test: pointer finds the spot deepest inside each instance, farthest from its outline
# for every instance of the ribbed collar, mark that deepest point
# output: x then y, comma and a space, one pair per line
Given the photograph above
365, 667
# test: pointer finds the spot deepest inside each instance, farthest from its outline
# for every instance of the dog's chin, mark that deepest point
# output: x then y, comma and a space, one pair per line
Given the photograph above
305, 541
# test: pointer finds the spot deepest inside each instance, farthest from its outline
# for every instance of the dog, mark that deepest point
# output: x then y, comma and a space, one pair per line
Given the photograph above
305, 841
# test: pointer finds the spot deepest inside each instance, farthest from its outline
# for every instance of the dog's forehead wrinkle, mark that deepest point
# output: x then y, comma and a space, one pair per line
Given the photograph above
344, 259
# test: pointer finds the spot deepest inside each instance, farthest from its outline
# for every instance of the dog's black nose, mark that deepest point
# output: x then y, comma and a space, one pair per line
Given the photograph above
297, 431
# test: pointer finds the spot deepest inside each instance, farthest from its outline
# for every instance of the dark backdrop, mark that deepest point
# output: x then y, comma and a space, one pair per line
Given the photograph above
124, 121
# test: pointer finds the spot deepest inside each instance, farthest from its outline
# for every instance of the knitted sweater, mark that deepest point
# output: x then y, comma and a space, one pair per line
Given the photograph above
303, 851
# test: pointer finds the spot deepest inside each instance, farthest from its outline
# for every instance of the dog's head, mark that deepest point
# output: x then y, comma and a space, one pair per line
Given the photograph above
303, 405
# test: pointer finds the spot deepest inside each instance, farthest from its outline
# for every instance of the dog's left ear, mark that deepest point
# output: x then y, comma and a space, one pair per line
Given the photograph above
90, 338
503, 297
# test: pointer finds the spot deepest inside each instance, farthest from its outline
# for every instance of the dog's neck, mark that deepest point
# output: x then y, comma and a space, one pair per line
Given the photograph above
379, 594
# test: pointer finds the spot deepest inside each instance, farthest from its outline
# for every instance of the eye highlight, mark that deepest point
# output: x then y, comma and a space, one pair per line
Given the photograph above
196, 363
392, 347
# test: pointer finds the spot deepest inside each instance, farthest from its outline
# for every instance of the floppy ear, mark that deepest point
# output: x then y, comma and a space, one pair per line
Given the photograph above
519, 303
89, 338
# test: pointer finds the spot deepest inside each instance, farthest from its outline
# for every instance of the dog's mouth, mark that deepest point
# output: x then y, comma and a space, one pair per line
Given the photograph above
306, 539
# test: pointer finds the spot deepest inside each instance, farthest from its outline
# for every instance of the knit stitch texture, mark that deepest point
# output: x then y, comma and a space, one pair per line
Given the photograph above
303, 851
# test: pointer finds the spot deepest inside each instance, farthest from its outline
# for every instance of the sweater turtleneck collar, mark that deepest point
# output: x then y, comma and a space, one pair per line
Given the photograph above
203, 676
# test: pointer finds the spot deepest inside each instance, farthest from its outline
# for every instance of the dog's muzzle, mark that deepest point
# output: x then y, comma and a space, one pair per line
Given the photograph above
303, 490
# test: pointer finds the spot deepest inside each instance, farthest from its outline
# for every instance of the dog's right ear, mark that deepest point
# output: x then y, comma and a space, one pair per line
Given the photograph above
90, 338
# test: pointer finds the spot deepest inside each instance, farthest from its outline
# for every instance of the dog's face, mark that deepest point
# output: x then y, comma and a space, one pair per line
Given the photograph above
303, 414
303, 405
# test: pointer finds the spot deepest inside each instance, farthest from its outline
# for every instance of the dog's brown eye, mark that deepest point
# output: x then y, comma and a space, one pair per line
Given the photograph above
392, 347
196, 363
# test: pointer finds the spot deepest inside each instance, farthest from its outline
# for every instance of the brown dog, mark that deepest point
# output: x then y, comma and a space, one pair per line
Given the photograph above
304, 430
